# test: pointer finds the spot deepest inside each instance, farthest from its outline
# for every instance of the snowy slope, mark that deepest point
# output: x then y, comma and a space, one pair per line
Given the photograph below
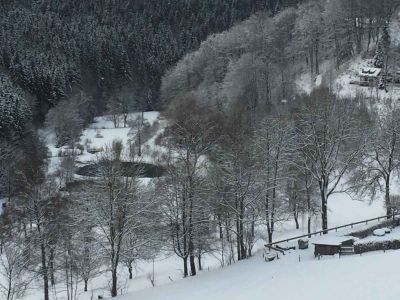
367, 277
168, 268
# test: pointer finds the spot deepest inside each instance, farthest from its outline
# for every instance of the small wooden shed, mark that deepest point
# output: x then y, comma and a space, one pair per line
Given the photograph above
369, 76
331, 245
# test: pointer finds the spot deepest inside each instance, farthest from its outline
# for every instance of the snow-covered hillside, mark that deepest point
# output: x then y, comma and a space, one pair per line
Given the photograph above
256, 276
250, 278
367, 277
297, 274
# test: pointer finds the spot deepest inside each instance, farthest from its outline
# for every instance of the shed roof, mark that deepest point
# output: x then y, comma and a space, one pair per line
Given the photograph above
370, 72
333, 240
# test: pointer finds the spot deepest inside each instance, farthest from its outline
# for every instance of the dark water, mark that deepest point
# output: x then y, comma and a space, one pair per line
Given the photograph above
128, 169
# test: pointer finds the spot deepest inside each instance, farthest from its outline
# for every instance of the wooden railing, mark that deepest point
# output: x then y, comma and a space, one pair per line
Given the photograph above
320, 232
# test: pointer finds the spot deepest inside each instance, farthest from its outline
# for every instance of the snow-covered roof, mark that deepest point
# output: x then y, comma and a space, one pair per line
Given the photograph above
370, 72
333, 240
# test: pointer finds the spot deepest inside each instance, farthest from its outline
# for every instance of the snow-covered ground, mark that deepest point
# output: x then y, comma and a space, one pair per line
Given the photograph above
351, 72
261, 277
249, 278
297, 274
368, 277
286, 278
101, 134
340, 81
104, 128
393, 235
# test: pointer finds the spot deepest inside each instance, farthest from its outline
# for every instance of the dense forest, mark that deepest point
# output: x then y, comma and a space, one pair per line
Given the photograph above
243, 147
260, 69
90, 53
53, 48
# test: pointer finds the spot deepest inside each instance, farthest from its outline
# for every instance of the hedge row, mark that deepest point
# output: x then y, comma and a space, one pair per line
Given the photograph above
375, 246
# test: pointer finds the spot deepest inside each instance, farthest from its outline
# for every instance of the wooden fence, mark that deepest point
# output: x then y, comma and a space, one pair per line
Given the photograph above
320, 232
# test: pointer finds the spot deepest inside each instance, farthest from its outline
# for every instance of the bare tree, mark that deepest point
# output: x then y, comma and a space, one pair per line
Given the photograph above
14, 274
40, 205
114, 111
275, 147
330, 141
235, 164
114, 208
189, 139
382, 155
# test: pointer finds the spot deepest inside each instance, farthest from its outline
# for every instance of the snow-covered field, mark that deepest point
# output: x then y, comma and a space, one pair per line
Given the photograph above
105, 129
101, 134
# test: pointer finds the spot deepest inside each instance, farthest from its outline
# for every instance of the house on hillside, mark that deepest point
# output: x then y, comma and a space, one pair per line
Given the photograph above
370, 76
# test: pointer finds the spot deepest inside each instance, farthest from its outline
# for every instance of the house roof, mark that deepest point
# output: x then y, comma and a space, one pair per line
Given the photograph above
370, 72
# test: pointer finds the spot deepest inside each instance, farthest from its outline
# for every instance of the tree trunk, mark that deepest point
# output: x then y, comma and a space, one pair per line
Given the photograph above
86, 285
324, 213
242, 246
114, 290
192, 265
308, 194
45, 273
239, 256
316, 58
185, 267
267, 212
296, 219
387, 197
270, 236
221, 233
199, 262
51, 266
140, 143
130, 271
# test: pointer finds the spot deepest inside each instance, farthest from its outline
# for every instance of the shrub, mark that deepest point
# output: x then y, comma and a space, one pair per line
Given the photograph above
376, 246
369, 231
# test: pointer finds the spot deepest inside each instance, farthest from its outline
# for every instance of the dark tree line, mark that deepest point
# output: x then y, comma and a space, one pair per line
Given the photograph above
51, 48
